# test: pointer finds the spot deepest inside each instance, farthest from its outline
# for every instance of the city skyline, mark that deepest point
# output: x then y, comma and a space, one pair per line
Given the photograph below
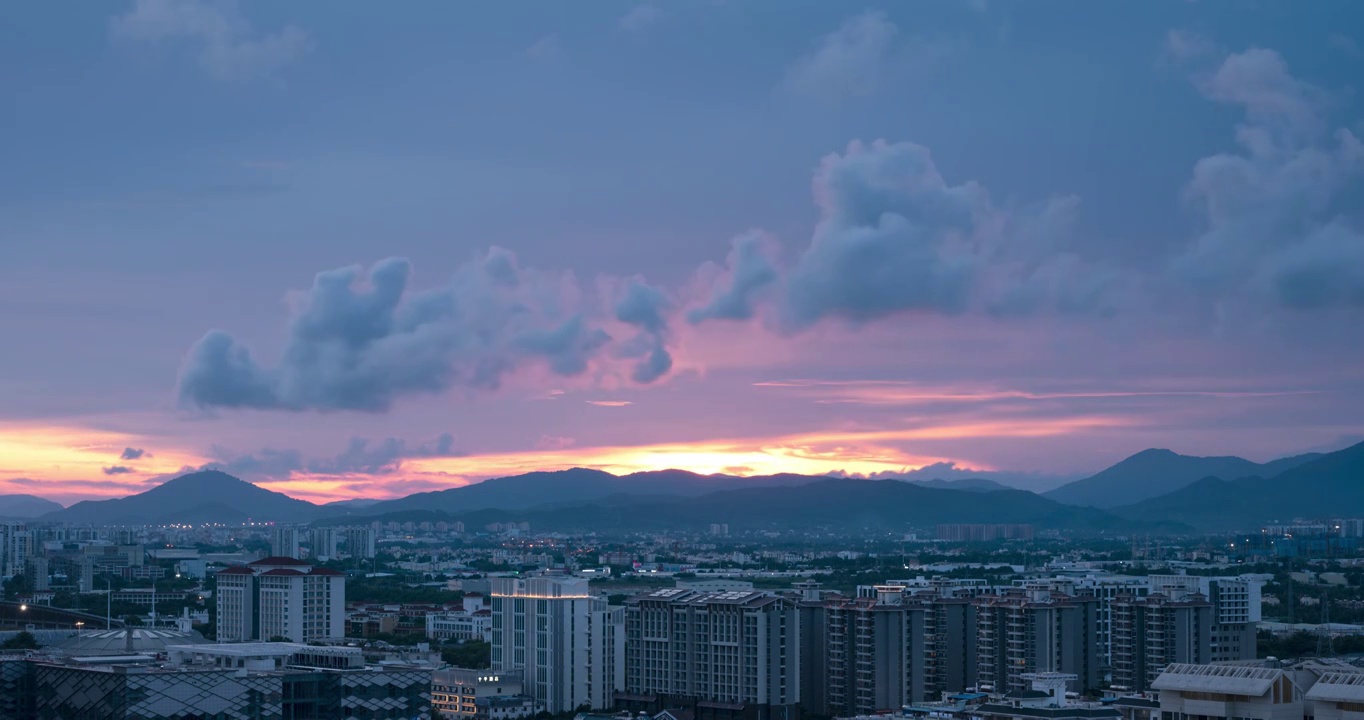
342, 253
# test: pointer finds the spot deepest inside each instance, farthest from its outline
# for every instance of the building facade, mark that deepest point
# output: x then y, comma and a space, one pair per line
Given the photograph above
887, 648
1036, 631
1152, 632
284, 542
16, 544
1236, 610
360, 542
566, 644
721, 655
480, 695
280, 597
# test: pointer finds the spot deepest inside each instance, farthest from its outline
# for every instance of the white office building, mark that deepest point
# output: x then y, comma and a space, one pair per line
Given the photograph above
281, 597
568, 646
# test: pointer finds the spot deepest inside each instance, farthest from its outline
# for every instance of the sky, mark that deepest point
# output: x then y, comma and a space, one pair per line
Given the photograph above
350, 250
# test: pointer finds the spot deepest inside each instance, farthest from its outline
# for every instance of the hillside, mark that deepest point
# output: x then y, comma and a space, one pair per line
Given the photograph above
830, 504
968, 484
1152, 473
573, 487
1330, 485
200, 497
20, 506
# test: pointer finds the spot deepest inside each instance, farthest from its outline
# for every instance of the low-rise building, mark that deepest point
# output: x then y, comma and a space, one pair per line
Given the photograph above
480, 695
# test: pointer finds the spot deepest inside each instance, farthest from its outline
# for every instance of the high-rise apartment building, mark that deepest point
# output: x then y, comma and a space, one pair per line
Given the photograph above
284, 542
1236, 610
1150, 633
737, 651
281, 597
16, 544
566, 644
1020, 632
887, 648
360, 542
322, 543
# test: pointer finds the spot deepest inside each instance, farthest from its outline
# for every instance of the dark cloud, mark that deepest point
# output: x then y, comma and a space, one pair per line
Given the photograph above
892, 237
132, 453
117, 470
750, 271
1326, 269
895, 236
361, 457
360, 342
645, 307
1271, 207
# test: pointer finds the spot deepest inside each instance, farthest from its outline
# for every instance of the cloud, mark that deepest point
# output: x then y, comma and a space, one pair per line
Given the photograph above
644, 306
132, 453
1343, 44
1184, 45
1259, 81
360, 457
118, 470
554, 442
892, 237
229, 48
749, 272
848, 62
1270, 208
1326, 269
545, 48
610, 403
640, 18
358, 341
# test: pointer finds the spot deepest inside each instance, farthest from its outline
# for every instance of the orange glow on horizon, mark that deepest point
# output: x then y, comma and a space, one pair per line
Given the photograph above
69, 461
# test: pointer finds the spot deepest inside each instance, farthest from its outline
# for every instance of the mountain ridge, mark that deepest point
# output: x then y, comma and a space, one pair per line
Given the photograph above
1328, 485
1157, 471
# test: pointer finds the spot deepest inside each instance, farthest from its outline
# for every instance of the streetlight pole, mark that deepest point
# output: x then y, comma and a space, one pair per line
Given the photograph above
108, 604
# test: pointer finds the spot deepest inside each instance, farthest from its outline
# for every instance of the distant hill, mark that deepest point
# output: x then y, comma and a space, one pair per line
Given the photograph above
21, 507
968, 484
827, 504
1324, 486
200, 497
574, 487
1152, 473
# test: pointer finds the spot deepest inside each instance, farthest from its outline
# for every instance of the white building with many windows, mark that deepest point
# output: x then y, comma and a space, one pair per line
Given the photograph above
281, 597
567, 645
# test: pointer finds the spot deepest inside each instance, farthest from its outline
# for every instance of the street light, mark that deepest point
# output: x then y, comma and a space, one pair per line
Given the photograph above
79, 628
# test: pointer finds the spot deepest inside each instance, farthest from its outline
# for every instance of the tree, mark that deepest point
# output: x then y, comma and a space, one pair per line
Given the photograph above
279, 638
474, 654
22, 641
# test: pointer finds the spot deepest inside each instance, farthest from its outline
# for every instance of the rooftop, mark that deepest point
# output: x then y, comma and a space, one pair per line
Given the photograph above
1246, 680
105, 643
1339, 686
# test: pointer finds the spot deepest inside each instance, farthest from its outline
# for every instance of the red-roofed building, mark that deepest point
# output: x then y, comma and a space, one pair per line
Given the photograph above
281, 597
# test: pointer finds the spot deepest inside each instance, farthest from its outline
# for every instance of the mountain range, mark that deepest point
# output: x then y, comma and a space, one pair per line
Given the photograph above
1155, 472
20, 506
1155, 491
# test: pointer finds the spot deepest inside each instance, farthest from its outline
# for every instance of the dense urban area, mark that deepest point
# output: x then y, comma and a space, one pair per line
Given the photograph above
427, 619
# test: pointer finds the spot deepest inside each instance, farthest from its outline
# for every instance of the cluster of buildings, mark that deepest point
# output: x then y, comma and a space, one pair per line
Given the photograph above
154, 676
734, 652
976, 532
